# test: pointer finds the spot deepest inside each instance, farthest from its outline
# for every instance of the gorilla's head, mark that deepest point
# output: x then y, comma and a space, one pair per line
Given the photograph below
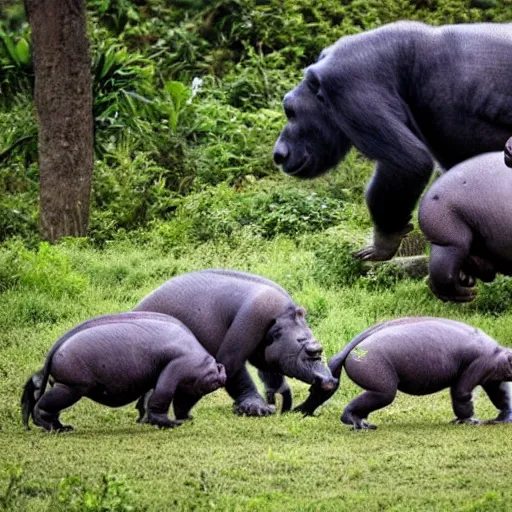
312, 142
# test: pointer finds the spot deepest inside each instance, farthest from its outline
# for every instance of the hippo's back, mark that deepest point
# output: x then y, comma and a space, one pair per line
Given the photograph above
207, 301
476, 193
426, 356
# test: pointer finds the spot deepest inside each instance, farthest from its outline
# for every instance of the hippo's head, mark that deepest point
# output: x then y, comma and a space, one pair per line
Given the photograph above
212, 378
292, 350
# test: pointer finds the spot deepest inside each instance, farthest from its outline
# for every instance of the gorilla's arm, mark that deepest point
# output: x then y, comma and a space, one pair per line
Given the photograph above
404, 166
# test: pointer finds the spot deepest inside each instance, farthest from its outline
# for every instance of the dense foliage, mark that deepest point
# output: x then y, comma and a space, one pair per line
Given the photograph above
187, 108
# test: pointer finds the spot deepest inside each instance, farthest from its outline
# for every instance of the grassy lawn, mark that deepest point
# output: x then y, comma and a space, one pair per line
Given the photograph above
415, 460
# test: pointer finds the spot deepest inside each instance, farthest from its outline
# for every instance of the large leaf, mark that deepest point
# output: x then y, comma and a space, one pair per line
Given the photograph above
23, 51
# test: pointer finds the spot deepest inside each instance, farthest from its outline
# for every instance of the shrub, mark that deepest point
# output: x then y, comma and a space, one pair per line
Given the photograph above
335, 266
46, 270
494, 298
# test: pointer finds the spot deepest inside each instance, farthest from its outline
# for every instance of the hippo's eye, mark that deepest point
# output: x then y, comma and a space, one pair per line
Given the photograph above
302, 340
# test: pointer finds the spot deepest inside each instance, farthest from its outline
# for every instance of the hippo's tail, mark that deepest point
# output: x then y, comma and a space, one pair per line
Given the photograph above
31, 393
337, 361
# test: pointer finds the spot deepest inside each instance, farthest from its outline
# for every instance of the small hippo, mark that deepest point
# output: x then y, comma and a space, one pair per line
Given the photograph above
420, 356
113, 359
467, 216
240, 317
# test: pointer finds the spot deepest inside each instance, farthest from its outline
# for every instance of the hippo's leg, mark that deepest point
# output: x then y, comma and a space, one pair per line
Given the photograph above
445, 278
357, 411
48, 408
142, 407
462, 404
247, 400
480, 268
183, 403
163, 394
317, 396
499, 394
276, 383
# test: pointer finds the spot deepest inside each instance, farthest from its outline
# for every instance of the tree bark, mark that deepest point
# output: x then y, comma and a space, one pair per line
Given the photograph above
63, 99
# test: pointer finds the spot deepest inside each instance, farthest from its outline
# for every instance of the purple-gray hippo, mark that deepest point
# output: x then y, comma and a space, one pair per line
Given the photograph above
240, 317
420, 356
467, 217
113, 359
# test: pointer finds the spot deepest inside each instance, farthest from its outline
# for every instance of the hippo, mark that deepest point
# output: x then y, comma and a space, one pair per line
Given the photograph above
113, 359
240, 317
466, 215
420, 356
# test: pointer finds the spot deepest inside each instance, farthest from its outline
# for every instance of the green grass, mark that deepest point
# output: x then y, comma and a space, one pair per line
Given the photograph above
415, 460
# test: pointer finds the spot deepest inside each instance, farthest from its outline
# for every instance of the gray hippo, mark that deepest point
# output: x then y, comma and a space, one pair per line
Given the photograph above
467, 216
240, 317
404, 94
113, 359
420, 356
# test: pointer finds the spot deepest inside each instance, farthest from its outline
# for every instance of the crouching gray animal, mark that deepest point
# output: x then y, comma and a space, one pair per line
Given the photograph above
420, 356
112, 359
240, 317
466, 215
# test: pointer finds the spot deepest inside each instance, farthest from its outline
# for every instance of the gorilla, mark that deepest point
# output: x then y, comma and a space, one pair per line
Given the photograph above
403, 94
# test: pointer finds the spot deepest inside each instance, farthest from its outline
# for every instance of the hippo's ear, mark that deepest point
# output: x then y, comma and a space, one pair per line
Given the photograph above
300, 312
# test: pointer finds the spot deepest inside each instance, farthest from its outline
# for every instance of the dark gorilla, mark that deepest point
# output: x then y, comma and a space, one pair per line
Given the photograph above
403, 95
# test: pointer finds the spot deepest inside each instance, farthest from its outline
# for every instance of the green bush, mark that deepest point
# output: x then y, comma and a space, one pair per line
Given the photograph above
382, 276
335, 265
494, 298
46, 269
109, 494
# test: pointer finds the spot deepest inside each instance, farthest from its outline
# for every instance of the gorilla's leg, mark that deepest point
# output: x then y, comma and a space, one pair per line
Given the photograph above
276, 383
391, 196
357, 411
247, 400
48, 408
183, 403
499, 394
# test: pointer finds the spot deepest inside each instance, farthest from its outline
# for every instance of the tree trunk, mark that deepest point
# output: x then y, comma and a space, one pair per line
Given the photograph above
63, 99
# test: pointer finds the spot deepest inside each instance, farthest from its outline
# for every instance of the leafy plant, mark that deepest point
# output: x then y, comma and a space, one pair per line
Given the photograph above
110, 494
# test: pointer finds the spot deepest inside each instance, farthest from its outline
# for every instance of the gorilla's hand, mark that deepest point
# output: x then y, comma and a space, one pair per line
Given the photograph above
384, 245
